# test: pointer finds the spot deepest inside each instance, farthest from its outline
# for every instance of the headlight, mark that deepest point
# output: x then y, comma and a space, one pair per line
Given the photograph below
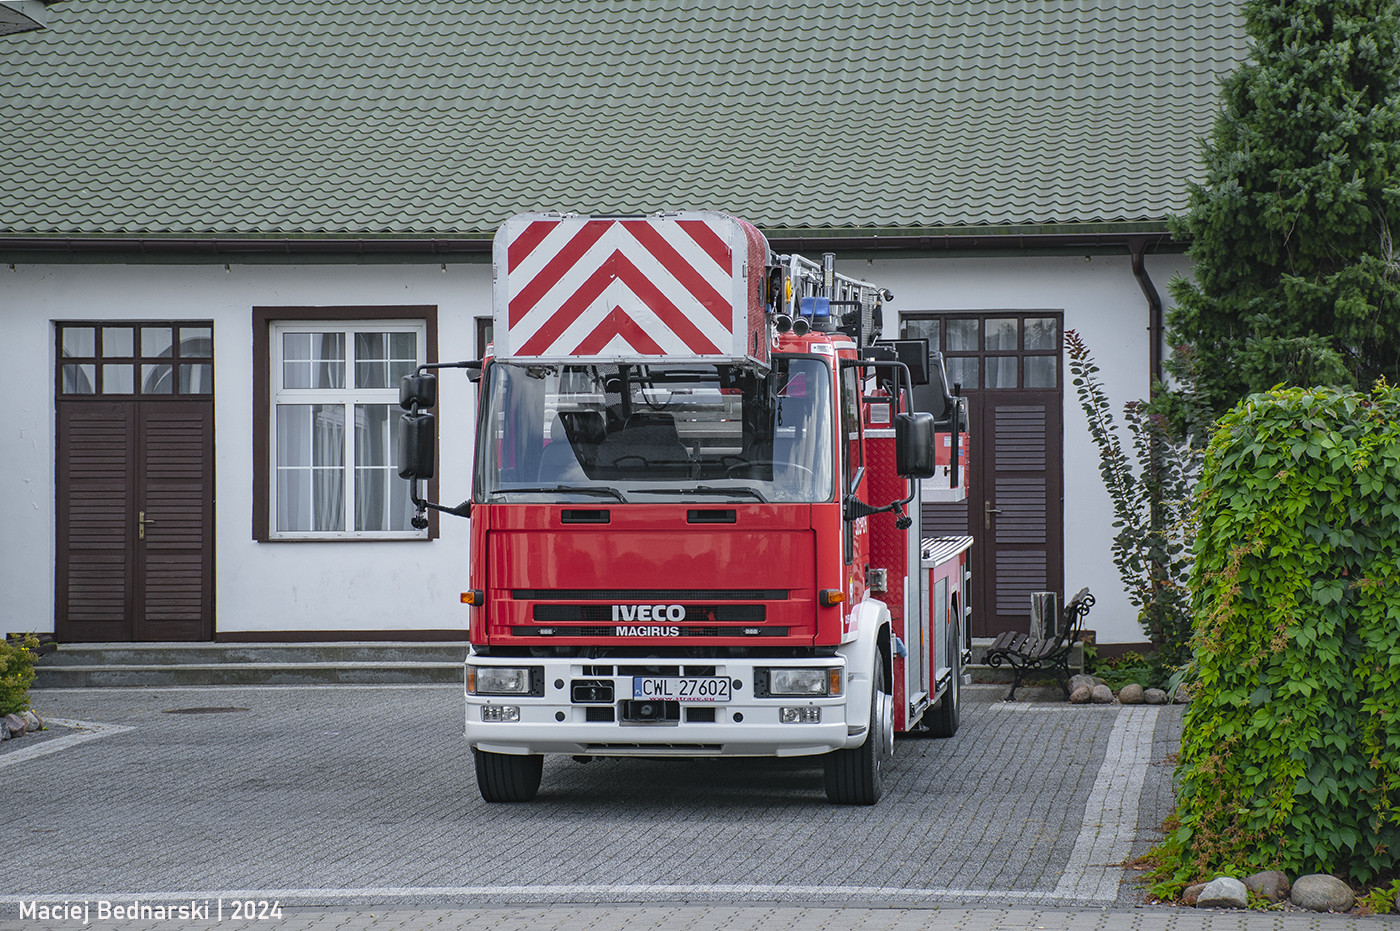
500, 680
804, 681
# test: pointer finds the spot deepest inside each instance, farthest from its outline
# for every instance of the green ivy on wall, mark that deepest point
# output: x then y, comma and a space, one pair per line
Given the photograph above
1291, 750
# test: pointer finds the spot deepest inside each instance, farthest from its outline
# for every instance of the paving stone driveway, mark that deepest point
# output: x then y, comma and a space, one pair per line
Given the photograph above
355, 795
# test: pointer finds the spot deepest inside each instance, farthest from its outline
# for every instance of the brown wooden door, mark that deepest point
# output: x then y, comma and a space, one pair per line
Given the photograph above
1008, 366
135, 521
1021, 535
135, 485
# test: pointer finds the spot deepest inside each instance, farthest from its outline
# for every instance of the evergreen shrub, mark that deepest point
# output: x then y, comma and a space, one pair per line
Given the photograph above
1290, 755
16, 673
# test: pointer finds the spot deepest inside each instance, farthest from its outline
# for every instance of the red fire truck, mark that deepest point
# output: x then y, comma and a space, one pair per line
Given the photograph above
695, 522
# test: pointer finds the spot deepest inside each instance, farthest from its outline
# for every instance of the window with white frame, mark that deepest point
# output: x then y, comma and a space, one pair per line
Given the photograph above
335, 393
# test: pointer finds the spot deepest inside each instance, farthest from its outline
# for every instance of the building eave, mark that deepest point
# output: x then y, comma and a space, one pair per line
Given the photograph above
476, 247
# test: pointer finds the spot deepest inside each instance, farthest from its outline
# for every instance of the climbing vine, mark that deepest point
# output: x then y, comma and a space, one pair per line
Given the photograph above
1291, 751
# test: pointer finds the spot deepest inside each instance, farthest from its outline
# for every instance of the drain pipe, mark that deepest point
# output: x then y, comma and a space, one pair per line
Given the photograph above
1137, 247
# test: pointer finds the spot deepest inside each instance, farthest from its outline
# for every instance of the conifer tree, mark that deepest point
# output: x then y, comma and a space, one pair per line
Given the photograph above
1296, 279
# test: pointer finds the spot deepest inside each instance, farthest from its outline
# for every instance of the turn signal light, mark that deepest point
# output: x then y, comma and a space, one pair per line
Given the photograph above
474, 597
831, 596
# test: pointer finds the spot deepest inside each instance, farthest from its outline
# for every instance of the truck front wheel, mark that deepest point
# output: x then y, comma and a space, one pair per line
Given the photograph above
857, 776
505, 777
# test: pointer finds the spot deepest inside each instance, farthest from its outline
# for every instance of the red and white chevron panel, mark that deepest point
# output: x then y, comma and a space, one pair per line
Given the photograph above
606, 289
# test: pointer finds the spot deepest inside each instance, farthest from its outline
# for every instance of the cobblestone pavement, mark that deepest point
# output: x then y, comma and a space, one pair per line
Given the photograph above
342, 803
739, 918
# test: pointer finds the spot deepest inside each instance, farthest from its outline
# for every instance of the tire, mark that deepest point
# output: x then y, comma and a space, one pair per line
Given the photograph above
944, 720
504, 777
857, 776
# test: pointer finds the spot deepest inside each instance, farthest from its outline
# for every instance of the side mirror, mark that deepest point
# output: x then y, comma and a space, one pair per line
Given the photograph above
417, 439
913, 445
419, 388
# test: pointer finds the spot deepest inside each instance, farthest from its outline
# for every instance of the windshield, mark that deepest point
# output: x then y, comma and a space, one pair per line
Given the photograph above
650, 433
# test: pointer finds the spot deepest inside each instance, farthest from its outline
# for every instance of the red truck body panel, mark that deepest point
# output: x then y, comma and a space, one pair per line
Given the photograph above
741, 574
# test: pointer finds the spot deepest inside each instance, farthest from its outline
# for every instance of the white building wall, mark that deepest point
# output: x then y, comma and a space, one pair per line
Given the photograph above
258, 586
410, 585
1101, 300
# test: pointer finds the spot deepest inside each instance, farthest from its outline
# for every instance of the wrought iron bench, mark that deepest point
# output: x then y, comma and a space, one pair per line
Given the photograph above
1041, 652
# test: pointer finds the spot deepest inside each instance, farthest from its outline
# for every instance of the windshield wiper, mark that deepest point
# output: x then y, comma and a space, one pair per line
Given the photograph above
563, 490
705, 489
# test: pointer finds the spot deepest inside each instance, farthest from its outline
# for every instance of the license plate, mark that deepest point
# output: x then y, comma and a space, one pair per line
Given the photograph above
681, 688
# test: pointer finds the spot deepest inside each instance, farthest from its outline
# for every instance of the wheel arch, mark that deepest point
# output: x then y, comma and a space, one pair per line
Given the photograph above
875, 643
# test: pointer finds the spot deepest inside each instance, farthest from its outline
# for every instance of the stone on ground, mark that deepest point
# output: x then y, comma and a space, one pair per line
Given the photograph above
1322, 893
1271, 884
1223, 892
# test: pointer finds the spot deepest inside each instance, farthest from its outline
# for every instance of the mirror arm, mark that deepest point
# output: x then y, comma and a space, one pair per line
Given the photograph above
419, 521
473, 364
856, 508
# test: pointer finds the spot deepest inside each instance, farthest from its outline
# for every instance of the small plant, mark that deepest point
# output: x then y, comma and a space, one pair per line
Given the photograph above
16, 673
1381, 900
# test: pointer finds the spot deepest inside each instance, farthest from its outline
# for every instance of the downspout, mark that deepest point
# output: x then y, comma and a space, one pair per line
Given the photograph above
1137, 247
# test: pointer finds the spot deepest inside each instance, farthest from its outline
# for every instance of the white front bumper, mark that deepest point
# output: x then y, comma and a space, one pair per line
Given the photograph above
745, 725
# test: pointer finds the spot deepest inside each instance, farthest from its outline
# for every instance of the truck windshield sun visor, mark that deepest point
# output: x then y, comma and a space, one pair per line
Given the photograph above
637, 432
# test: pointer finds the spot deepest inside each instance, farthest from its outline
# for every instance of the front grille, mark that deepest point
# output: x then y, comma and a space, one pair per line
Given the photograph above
719, 614
649, 594
629, 631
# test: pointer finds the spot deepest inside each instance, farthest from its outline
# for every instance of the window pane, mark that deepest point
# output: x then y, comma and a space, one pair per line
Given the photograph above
381, 497
922, 329
962, 370
1042, 333
296, 346
118, 379
313, 360
294, 500
156, 341
403, 356
328, 360
381, 359
1041, 371
371, 360
118, 341
310, 467
296, 374
1001, 335
79, 379
196, 342
197, 378
1001, 371
80, 341
962, 335
294, 436
156, 379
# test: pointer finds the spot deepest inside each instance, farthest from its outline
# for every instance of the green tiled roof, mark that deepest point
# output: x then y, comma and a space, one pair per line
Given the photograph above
437, 118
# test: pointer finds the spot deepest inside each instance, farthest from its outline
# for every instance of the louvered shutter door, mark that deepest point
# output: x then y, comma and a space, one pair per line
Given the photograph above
175, 561
96, 472
1022, 480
